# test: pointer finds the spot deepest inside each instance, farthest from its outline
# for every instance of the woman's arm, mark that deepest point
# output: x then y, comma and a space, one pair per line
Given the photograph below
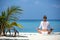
40, 25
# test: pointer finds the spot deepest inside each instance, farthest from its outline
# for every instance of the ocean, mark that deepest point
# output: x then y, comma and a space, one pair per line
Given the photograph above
31, 25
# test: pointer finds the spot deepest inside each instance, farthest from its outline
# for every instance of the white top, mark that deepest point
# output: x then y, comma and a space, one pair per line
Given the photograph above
44, 25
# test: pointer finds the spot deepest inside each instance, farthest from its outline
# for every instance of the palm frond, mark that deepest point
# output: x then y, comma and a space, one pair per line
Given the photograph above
19, 25
3, 14
10, 25
13, 10
7, 25
15, 24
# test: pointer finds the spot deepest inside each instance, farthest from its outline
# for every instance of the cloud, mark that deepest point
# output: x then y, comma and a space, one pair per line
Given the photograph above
56, 6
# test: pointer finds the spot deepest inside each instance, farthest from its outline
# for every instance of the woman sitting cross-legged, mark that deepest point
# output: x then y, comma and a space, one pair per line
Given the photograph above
44, 25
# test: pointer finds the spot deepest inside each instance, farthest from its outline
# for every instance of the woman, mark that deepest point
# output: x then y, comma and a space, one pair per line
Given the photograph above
44, 24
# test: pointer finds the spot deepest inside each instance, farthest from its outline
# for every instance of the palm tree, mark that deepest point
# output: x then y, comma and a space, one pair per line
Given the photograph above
2, 22
6, 16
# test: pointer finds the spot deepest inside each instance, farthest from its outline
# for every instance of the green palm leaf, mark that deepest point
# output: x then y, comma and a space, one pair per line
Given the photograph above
13, 10
10, 25
15, 24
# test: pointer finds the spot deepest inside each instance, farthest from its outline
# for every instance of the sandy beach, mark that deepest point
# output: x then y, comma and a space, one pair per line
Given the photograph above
34, 36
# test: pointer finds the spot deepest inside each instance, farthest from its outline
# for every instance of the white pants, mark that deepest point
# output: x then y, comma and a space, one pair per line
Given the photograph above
46, 32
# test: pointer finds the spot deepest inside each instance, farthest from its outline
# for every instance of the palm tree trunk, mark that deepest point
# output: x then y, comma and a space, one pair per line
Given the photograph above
0, 30
3, 30
15, 34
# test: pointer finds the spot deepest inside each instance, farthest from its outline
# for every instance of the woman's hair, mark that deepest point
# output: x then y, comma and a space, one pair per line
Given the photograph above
45, 17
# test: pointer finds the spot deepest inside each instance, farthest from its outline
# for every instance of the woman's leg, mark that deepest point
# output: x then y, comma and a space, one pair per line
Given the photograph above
39, 31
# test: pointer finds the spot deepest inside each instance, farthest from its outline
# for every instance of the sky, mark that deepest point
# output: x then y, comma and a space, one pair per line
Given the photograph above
34, 9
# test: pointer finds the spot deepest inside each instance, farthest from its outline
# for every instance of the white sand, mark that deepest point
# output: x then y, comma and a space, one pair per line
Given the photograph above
35, 36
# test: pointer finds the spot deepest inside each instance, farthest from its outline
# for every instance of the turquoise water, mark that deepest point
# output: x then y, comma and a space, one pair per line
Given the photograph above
31, 25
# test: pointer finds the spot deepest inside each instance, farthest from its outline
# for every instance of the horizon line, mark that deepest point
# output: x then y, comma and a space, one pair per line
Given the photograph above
37, 19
